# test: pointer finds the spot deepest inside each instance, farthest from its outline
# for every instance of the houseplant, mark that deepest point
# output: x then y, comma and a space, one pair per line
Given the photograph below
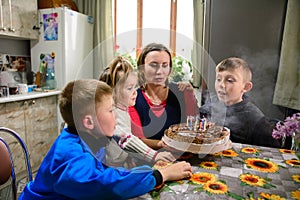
181, 67
290, 127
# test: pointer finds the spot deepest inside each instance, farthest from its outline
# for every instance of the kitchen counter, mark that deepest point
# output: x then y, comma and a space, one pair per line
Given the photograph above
34, 116
31, 95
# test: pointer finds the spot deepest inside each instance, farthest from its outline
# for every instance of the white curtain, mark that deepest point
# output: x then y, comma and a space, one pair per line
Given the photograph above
287, 89
197, 53
101, 10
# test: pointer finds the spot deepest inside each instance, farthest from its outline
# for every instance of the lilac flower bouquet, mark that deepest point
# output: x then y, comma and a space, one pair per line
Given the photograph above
289, 128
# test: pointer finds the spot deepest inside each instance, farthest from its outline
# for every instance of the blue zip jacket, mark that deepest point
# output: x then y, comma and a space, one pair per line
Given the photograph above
70, 171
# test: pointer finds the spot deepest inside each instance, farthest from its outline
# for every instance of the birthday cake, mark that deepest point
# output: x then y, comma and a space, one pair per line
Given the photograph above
198, 137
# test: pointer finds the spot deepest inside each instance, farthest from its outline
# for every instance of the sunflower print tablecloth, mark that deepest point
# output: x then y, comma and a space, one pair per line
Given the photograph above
242, 172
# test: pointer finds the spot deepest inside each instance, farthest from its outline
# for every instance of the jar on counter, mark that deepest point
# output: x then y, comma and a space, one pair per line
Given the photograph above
22, 88
4, 91
12, 88
50, 83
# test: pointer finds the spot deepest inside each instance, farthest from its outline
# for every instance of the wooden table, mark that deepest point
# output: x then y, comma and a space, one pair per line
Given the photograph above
241, 172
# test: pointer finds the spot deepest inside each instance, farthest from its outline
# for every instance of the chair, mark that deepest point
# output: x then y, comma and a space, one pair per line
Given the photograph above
8, 169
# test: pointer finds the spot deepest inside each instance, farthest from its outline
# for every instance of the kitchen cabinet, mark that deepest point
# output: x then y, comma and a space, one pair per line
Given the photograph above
17, 18
35, 120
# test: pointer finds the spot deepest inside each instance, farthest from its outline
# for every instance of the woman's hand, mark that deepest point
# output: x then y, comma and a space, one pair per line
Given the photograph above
163, 145
185, 85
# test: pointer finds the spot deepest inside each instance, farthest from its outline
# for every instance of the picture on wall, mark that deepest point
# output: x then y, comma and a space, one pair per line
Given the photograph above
50, 26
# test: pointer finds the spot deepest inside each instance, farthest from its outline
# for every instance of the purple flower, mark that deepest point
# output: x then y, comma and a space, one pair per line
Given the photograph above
290, 125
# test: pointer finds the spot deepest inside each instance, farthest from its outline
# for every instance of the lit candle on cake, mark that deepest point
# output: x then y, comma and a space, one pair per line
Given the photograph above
196, 123
200, 126
187, 121
205, 123
191, 123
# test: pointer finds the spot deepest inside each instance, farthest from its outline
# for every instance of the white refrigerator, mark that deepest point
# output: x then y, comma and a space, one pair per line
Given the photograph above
65, 43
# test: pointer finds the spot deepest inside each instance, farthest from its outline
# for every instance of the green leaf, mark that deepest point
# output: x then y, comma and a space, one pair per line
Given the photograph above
173, 183
155, 195
250, 194
268, 186
235, 196
243, 183
199, 189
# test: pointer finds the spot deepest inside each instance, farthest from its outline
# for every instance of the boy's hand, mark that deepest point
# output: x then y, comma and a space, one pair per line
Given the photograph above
176, 171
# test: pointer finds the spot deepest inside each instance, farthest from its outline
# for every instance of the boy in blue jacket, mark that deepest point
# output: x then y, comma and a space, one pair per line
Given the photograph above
71, 171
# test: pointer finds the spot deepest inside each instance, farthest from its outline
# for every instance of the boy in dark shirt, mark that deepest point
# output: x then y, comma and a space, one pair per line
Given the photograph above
233, 109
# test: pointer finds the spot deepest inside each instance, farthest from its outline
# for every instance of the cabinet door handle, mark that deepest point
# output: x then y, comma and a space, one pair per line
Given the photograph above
11, 29
29, 103
2, 28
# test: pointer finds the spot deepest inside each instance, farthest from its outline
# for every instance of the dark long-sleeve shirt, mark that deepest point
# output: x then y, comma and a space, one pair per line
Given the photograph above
246, 122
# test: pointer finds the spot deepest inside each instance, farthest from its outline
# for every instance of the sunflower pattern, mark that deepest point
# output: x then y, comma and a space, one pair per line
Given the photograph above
271, 196
252, 172
227, 153
215, 187
202, 178
296, 178
261, 165
209, 165
296, 194
286, 151
293, 163
161, 164
254, 180
250, 150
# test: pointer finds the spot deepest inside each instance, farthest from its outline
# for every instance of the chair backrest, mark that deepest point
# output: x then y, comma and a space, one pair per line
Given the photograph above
5, 169
8, 161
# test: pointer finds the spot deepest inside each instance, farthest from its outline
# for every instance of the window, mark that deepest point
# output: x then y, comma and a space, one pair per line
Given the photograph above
155, 22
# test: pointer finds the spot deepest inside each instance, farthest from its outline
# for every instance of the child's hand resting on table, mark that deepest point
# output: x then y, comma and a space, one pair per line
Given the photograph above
176, 171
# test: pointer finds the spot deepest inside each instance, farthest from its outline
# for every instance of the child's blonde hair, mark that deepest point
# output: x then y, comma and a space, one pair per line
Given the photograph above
234, 63
80, 98
116, 75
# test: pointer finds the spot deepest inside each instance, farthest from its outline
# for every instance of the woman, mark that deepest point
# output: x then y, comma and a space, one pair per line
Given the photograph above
159, 103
